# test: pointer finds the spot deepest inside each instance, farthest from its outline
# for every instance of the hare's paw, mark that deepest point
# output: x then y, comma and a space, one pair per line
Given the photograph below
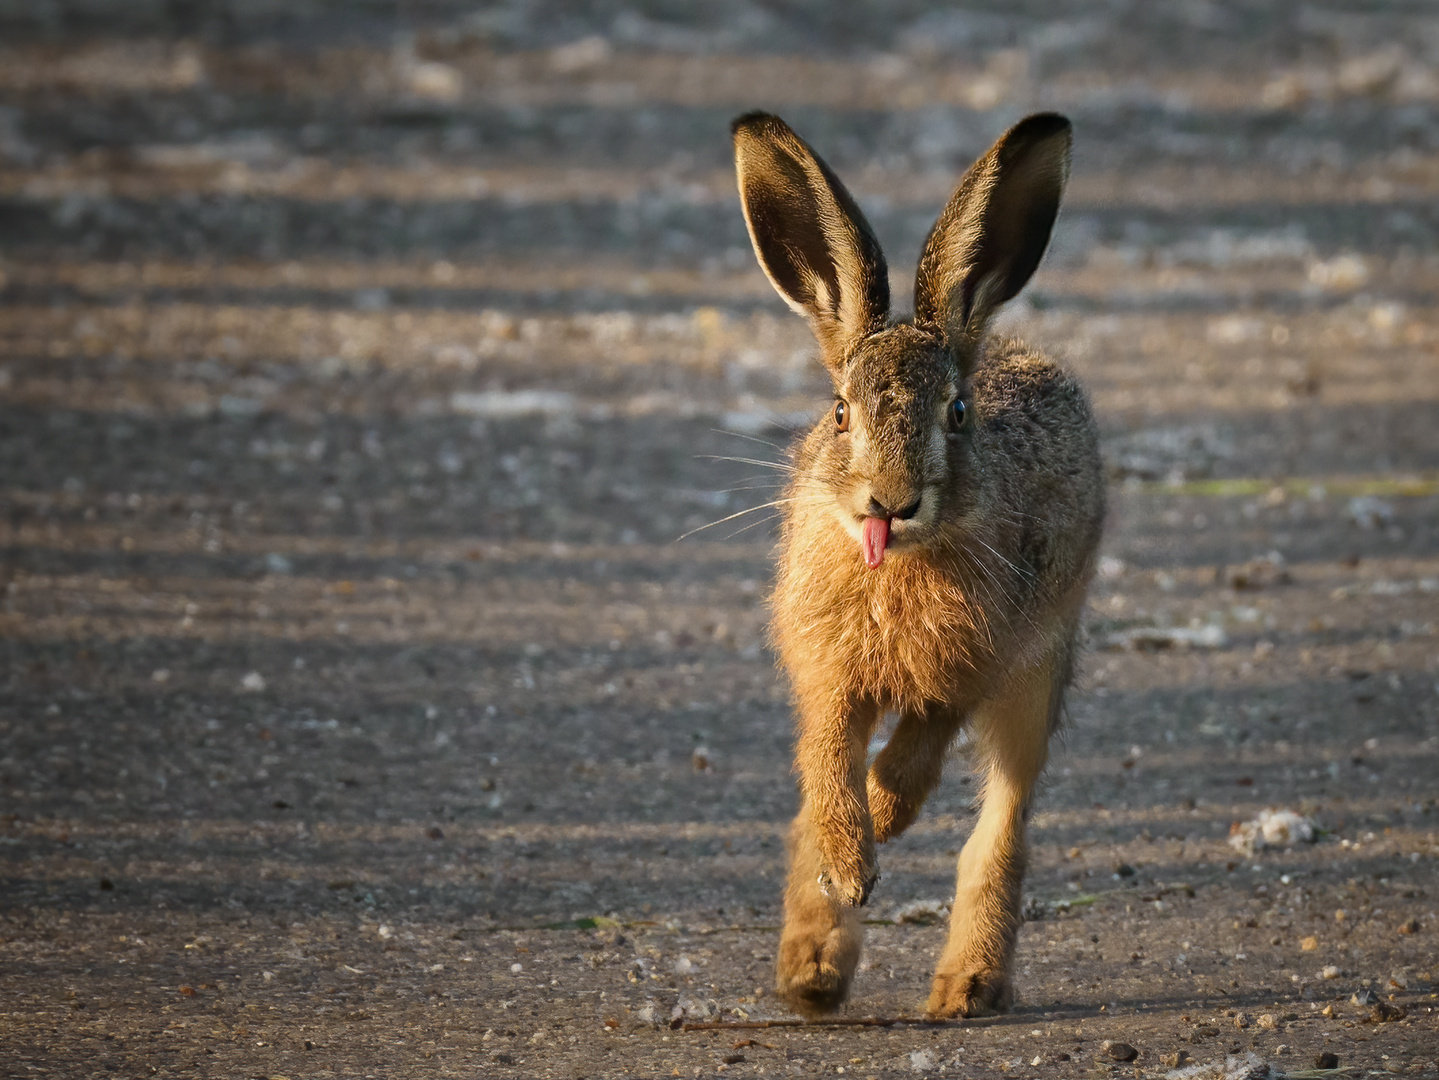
814, 970
885, 811
848, 869
968, 994
848, 891
891, 813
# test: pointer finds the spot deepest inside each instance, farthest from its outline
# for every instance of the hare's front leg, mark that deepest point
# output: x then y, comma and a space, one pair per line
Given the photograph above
831, 857
820, 944
834, 730
1012, 736
908, 768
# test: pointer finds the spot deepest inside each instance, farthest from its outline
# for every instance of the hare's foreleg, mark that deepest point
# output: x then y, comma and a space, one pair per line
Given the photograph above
820, 945
830, 757
907, 769
1011, 731
831, 853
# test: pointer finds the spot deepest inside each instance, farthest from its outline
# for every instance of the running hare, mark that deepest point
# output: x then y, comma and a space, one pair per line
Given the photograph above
939, 533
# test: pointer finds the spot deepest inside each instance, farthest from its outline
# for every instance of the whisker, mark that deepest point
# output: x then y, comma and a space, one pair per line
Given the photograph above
1021, 571
1015, 604
1016, 516
737, 513
751, 525
751, 438
760, 485
796, 482
780, 466
988, 578
984, 587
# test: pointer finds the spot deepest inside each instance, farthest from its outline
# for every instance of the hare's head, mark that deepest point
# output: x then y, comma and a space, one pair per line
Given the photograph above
896, 460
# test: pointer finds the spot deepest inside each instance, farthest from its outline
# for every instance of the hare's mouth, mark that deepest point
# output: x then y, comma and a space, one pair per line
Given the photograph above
873, 539
879, 535
906, 532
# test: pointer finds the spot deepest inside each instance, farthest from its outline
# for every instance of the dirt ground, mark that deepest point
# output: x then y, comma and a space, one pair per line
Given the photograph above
362, 365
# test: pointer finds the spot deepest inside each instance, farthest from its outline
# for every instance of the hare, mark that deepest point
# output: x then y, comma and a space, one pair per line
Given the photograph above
939, 534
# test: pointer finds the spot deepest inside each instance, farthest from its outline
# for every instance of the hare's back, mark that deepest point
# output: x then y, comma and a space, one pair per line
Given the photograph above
1039, 436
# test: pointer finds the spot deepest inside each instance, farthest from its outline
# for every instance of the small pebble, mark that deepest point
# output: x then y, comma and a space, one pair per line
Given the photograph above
1382, 1012
1309, 944
1119, 1051
1268, 1022
1326, 1060
1364, 997
1175, 1060
1241, 1020
1330, 1012
923, 1060
1409, 926
1330, 971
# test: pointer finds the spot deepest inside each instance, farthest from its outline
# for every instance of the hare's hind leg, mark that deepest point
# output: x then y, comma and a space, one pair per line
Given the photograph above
1011, 732
907, 769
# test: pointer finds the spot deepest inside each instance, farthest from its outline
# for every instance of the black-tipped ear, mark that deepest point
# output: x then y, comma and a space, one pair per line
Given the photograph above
989, 239
811, 239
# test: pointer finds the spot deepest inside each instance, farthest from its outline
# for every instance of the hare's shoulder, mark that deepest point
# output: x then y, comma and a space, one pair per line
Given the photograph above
1013, 379
1037, 430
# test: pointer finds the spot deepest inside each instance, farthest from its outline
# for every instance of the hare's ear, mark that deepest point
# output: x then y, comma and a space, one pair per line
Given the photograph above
811, 238
990, 237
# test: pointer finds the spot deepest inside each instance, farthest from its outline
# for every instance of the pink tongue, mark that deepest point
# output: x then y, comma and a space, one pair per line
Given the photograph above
873, 537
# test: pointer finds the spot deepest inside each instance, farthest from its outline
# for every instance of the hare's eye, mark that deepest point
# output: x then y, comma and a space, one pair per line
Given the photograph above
841, 415
958, 413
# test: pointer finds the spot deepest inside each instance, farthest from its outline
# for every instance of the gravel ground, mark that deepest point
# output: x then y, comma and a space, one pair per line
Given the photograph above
362, 365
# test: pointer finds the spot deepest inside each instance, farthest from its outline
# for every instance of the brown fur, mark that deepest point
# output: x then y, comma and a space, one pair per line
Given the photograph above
969, 621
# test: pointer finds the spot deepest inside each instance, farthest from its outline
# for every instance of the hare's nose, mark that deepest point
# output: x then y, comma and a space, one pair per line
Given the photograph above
904, 513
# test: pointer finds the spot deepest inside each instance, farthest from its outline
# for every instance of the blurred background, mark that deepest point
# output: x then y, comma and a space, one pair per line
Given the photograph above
362, 365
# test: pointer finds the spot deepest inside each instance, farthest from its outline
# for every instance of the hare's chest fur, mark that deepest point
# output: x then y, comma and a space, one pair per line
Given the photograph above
905, 634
